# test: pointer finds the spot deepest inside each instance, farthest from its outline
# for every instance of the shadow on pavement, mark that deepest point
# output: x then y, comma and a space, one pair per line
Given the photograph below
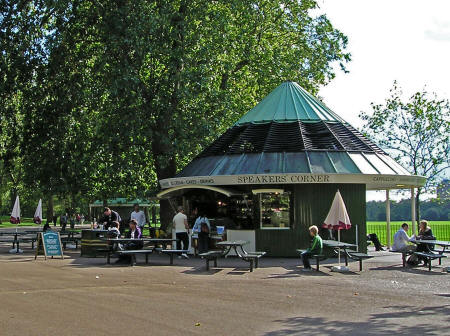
435, 270
377, 324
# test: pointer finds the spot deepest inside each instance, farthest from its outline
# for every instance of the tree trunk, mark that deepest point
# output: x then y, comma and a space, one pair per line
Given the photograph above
164, 169
49, 214
418, 193
13, 193
163, 149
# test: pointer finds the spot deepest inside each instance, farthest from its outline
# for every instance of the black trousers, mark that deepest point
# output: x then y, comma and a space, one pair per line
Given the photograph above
182, 237
305, 259
203, 242
376, 242
131, 246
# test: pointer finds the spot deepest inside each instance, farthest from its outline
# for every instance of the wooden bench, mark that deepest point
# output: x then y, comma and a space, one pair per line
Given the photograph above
211, 256
430, 256
133, 253
317, 257
171, 253
357, 256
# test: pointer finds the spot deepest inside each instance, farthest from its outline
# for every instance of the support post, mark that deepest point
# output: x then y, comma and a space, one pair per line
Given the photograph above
388, 220
413, 211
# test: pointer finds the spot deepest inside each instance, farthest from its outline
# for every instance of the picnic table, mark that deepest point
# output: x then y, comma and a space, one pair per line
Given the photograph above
227, 245
348, 251
162, 241
238, 247
430, 255
18, 237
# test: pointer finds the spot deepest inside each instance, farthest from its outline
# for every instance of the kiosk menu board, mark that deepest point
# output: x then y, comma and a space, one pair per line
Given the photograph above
49, 243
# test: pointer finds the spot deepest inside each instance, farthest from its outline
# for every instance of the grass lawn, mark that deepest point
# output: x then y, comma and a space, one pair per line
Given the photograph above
23, 222
441, 229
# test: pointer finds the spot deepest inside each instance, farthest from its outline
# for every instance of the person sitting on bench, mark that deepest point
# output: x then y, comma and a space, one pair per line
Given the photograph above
316, 248
401, 240
133, 233
376, 242
425, 233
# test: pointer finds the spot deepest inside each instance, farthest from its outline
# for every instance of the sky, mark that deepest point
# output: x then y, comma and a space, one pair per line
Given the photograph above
403, 40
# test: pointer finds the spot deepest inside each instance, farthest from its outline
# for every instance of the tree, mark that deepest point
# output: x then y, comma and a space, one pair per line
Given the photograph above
416, 132
170, 76
124, 93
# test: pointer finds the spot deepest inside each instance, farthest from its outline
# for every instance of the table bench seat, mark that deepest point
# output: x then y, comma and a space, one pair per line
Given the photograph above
430, 256
317, 257
359, 257
211, 256
404, 255
133, 254
171, 253
65, 240
252, 258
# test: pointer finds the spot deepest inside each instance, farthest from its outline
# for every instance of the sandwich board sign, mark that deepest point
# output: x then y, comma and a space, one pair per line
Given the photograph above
50, 243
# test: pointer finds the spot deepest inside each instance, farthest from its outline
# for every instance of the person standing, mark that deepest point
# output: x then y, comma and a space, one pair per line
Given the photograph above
181, 226
139, 216
109, 216
202, 228
63, 221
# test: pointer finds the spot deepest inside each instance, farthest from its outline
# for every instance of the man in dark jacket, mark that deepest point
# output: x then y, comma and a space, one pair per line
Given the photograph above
109, 216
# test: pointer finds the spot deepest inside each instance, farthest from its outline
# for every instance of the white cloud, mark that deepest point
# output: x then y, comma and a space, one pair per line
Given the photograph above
439, 32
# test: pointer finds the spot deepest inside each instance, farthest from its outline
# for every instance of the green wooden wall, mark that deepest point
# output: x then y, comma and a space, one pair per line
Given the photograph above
311, 205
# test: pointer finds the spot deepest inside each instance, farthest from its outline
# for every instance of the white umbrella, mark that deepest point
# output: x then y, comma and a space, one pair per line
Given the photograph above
38, 213
15, 214
15, 219
338, 219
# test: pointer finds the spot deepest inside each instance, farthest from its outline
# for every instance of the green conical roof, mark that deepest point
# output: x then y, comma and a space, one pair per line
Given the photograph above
289, 102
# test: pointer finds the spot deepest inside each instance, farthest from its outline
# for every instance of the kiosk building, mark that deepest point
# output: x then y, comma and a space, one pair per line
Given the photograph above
275, 172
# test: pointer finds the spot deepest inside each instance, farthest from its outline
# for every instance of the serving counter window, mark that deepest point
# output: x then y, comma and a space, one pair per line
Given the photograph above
275, 210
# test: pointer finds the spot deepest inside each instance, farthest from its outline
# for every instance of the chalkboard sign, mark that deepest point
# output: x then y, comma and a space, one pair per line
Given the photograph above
50, 243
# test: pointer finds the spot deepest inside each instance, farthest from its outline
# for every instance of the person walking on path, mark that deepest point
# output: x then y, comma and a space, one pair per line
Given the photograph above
181, 226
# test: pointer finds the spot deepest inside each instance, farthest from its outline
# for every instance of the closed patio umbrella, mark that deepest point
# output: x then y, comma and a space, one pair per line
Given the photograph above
15, 219
15, 214
338, 219
38, 213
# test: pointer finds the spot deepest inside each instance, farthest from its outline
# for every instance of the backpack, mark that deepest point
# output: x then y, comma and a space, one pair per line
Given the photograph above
413, 260
204, 227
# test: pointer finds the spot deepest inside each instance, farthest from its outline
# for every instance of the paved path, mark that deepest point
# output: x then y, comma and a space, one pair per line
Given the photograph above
83, 296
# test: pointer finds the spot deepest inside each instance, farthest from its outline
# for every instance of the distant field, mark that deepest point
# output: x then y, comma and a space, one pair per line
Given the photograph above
441, 229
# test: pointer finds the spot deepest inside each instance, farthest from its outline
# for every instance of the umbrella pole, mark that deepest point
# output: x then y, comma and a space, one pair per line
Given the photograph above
339, 249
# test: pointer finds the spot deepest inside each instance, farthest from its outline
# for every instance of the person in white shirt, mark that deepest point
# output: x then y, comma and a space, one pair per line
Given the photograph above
139, 216
401, 240
180, 223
